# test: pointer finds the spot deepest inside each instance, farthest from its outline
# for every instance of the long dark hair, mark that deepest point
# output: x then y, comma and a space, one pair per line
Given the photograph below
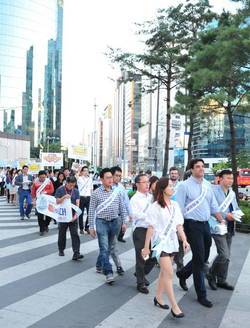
159, 191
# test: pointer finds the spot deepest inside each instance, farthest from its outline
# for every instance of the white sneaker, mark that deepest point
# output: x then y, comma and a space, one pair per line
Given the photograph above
109, 278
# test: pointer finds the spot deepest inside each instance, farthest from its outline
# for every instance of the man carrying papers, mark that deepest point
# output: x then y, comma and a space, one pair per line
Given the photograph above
226, 199
63, 193
42, 185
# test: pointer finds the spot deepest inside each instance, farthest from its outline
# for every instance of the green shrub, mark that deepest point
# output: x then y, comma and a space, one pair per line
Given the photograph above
246, 217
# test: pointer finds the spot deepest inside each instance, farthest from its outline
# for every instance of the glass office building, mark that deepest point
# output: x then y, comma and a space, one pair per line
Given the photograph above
212, 136
31, 68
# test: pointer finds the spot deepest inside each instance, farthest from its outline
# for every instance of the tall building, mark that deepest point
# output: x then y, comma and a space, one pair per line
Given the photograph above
211, 138
126, 121
31, 66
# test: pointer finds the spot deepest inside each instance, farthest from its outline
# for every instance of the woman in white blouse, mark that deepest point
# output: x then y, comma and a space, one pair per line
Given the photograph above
164, 219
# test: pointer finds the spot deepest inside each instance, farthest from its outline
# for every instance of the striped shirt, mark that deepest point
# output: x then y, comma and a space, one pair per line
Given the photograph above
113, 211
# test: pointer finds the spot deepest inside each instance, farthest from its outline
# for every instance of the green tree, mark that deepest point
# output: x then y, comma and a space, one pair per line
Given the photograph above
220, 69
220, 166
167, 39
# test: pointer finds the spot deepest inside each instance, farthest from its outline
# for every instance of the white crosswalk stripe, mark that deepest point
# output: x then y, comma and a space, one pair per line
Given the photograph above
36, 304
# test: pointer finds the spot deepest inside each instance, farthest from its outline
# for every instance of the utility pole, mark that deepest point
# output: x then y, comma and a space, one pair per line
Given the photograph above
95, 137
157, 125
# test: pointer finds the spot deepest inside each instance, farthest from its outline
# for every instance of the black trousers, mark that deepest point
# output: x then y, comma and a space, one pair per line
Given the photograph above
73, 228
43, 221
2, 188
142, 267
199, 238
84, 203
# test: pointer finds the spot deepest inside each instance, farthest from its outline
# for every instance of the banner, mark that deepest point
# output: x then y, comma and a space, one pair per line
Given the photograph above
78, 152
34, 168
52, 159
60, 212
76, 166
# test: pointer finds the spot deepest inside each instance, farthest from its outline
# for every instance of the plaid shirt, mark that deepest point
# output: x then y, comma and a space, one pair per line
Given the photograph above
113, 211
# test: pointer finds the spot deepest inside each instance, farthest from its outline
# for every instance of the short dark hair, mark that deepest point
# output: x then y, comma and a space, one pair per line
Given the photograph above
159, 191
103, 171
195, 161
225, 172
25, 166
42, 172
83, 168
152, 180
139, 176
115, 168
66, 168
71, 179
173, 168
187, 175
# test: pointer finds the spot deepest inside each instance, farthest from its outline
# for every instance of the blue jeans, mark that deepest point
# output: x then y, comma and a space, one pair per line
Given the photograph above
25, 194
106, 232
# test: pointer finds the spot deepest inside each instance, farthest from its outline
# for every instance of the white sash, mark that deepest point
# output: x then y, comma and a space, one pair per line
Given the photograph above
40, 189
158, 248
227, 201
196, 202
85, 185
107, 202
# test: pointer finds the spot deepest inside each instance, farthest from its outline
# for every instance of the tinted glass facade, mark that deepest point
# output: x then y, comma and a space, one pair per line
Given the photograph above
31, 67
212, 137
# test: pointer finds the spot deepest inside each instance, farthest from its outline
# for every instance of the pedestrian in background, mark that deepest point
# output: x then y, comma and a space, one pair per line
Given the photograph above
69, 192
24, 182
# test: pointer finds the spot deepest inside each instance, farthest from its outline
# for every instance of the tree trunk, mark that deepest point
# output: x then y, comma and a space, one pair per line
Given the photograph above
168, 119
190, 139
233, 147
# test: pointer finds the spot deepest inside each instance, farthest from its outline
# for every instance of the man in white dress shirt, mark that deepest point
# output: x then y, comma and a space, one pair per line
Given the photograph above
85, 187
139, 205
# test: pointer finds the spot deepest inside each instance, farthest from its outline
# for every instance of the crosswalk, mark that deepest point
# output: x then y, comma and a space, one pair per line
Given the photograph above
40, 289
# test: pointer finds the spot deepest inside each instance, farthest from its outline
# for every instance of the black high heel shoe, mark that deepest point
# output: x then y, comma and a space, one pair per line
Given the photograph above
163, 306
180, 315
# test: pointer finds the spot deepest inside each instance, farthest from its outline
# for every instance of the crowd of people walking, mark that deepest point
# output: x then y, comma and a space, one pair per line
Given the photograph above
168, 217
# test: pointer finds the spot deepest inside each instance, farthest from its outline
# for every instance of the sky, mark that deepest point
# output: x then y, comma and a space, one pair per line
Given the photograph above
89, 28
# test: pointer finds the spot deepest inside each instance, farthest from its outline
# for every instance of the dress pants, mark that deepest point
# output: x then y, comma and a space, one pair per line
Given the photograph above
178, 258
73, 228
142, 267
199, 238
219, 268
43, 221
84, 203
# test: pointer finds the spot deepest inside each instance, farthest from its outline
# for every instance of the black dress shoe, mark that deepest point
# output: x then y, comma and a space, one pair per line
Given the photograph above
41, 233
120, 271
211, 282
205, 302
77, 256
146, 282
142, 289
180, 315
122, 240
61, 253
182, 281
225, 285
162, 306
